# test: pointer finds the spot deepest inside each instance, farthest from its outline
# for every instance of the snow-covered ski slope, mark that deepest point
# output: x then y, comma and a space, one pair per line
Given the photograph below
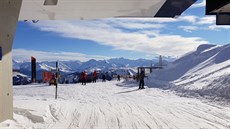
111, 105
204, 72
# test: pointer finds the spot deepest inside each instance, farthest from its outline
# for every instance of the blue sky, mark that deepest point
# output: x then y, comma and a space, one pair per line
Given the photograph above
127, 37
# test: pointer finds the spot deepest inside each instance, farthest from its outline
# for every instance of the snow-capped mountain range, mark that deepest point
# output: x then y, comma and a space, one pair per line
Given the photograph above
67, 67
204, 72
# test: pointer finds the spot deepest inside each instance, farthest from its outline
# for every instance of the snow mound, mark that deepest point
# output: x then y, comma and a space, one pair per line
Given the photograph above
204, 71
20, 79
204, 47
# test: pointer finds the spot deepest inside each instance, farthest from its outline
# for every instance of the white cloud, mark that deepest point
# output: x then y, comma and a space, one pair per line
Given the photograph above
207, 20
139, 25
195, 20
135, 23
185, 18
188, 28
201, 23
141, 20
199, 5
209, 23
188, 18
218, 28
25, 55
176, 45
108, 34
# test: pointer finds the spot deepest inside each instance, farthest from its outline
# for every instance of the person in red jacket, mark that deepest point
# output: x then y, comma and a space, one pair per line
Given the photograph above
83, 77
94, 76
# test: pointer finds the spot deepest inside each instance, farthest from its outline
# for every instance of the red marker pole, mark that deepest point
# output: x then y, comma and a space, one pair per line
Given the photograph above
33, 69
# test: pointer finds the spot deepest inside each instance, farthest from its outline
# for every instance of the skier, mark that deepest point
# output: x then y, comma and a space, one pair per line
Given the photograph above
134, 77
118, 77
83, 77
141, 77
52, 80
103, 78
94, 76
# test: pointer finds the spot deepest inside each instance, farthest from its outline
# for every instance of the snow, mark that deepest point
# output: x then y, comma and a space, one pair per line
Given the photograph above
45, 67
202, 72
15, 74
123, 71
112, 104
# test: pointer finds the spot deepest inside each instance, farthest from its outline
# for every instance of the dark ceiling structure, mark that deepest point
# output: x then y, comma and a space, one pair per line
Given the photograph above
220, 8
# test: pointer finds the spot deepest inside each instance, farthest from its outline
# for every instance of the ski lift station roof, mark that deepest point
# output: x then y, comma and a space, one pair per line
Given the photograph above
92, 9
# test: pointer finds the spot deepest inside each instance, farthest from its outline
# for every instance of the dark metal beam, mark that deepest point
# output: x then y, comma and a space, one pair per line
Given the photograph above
173, 8
212, 5
223, 19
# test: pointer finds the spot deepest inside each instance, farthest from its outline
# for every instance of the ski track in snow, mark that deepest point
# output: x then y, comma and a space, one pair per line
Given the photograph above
112, 105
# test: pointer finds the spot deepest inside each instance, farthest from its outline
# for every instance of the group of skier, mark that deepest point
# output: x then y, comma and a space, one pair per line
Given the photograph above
84, 78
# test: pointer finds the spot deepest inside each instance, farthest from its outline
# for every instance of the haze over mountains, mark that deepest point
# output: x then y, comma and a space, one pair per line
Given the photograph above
70, 66
67, 67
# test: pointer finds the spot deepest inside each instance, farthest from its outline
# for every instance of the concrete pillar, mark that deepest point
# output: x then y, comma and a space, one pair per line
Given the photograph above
9, 12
